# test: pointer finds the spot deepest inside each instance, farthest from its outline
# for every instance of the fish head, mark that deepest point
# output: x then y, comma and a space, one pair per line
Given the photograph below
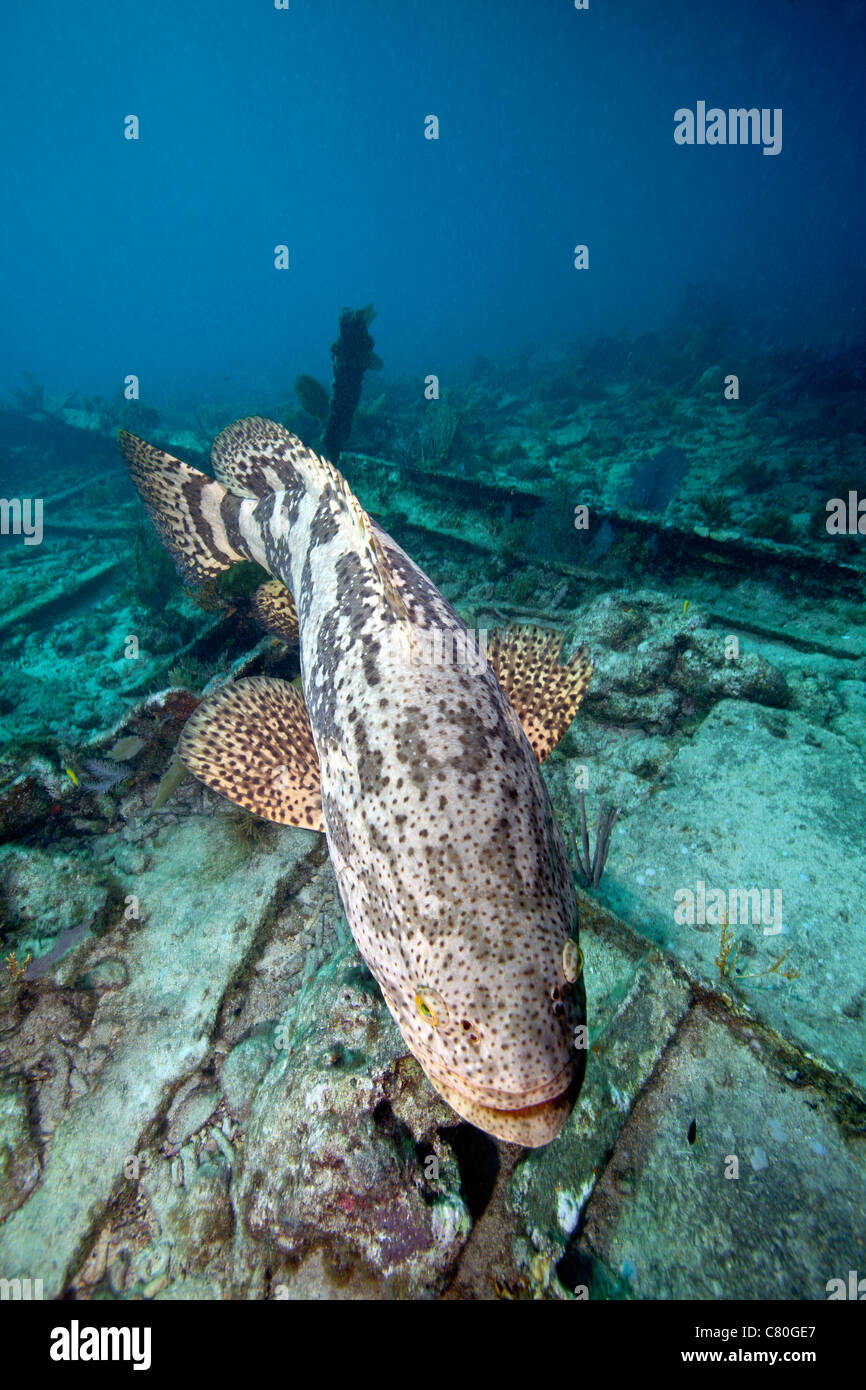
496, 1013
458, 890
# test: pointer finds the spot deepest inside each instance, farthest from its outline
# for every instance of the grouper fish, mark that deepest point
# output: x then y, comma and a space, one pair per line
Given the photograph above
423, 774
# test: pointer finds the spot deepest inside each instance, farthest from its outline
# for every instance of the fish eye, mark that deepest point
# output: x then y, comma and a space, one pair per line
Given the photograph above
572, 961
431, 1006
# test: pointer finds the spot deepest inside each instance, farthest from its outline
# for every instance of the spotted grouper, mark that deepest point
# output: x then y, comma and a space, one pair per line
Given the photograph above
422, 772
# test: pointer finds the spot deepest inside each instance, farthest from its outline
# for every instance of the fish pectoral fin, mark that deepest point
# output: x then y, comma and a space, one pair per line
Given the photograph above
252, 743
274, 609
543, 692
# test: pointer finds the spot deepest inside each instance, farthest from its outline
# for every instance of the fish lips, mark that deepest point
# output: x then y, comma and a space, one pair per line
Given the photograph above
531, 1126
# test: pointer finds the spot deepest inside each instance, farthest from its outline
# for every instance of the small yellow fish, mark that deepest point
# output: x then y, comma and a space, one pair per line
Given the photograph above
686, 605
70, 773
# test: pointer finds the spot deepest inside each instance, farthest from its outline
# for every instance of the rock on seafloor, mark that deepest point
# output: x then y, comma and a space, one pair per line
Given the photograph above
228, 1110
346, 1178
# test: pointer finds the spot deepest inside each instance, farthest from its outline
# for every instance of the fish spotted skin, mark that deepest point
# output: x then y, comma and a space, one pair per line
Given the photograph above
450, 864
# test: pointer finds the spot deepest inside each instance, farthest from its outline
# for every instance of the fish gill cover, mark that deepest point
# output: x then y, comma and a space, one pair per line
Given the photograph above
432, 855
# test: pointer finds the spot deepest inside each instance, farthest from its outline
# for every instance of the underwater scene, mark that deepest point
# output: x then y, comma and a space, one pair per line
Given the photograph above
433, 653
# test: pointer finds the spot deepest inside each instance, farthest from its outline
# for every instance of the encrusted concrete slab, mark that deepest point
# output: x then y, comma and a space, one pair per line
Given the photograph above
736, 1175
637, 1003
759, 800
147, 1035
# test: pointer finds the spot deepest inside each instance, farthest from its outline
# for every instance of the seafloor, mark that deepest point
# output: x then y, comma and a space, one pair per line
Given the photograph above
202, 1094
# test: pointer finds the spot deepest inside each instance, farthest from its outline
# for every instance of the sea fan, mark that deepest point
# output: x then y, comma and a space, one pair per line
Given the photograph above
591, 870
106, 775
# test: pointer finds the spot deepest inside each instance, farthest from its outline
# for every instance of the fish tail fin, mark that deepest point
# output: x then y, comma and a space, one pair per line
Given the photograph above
195, 516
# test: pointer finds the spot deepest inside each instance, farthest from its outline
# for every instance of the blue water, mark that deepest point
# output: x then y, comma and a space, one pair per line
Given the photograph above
305, 127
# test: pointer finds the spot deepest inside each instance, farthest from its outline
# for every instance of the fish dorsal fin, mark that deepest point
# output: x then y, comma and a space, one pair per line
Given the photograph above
396, 602
274, 609
367, 532
253, 457
543, 692
252, 743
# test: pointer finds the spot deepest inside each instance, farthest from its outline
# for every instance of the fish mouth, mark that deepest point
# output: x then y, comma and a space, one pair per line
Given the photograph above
531, 1125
